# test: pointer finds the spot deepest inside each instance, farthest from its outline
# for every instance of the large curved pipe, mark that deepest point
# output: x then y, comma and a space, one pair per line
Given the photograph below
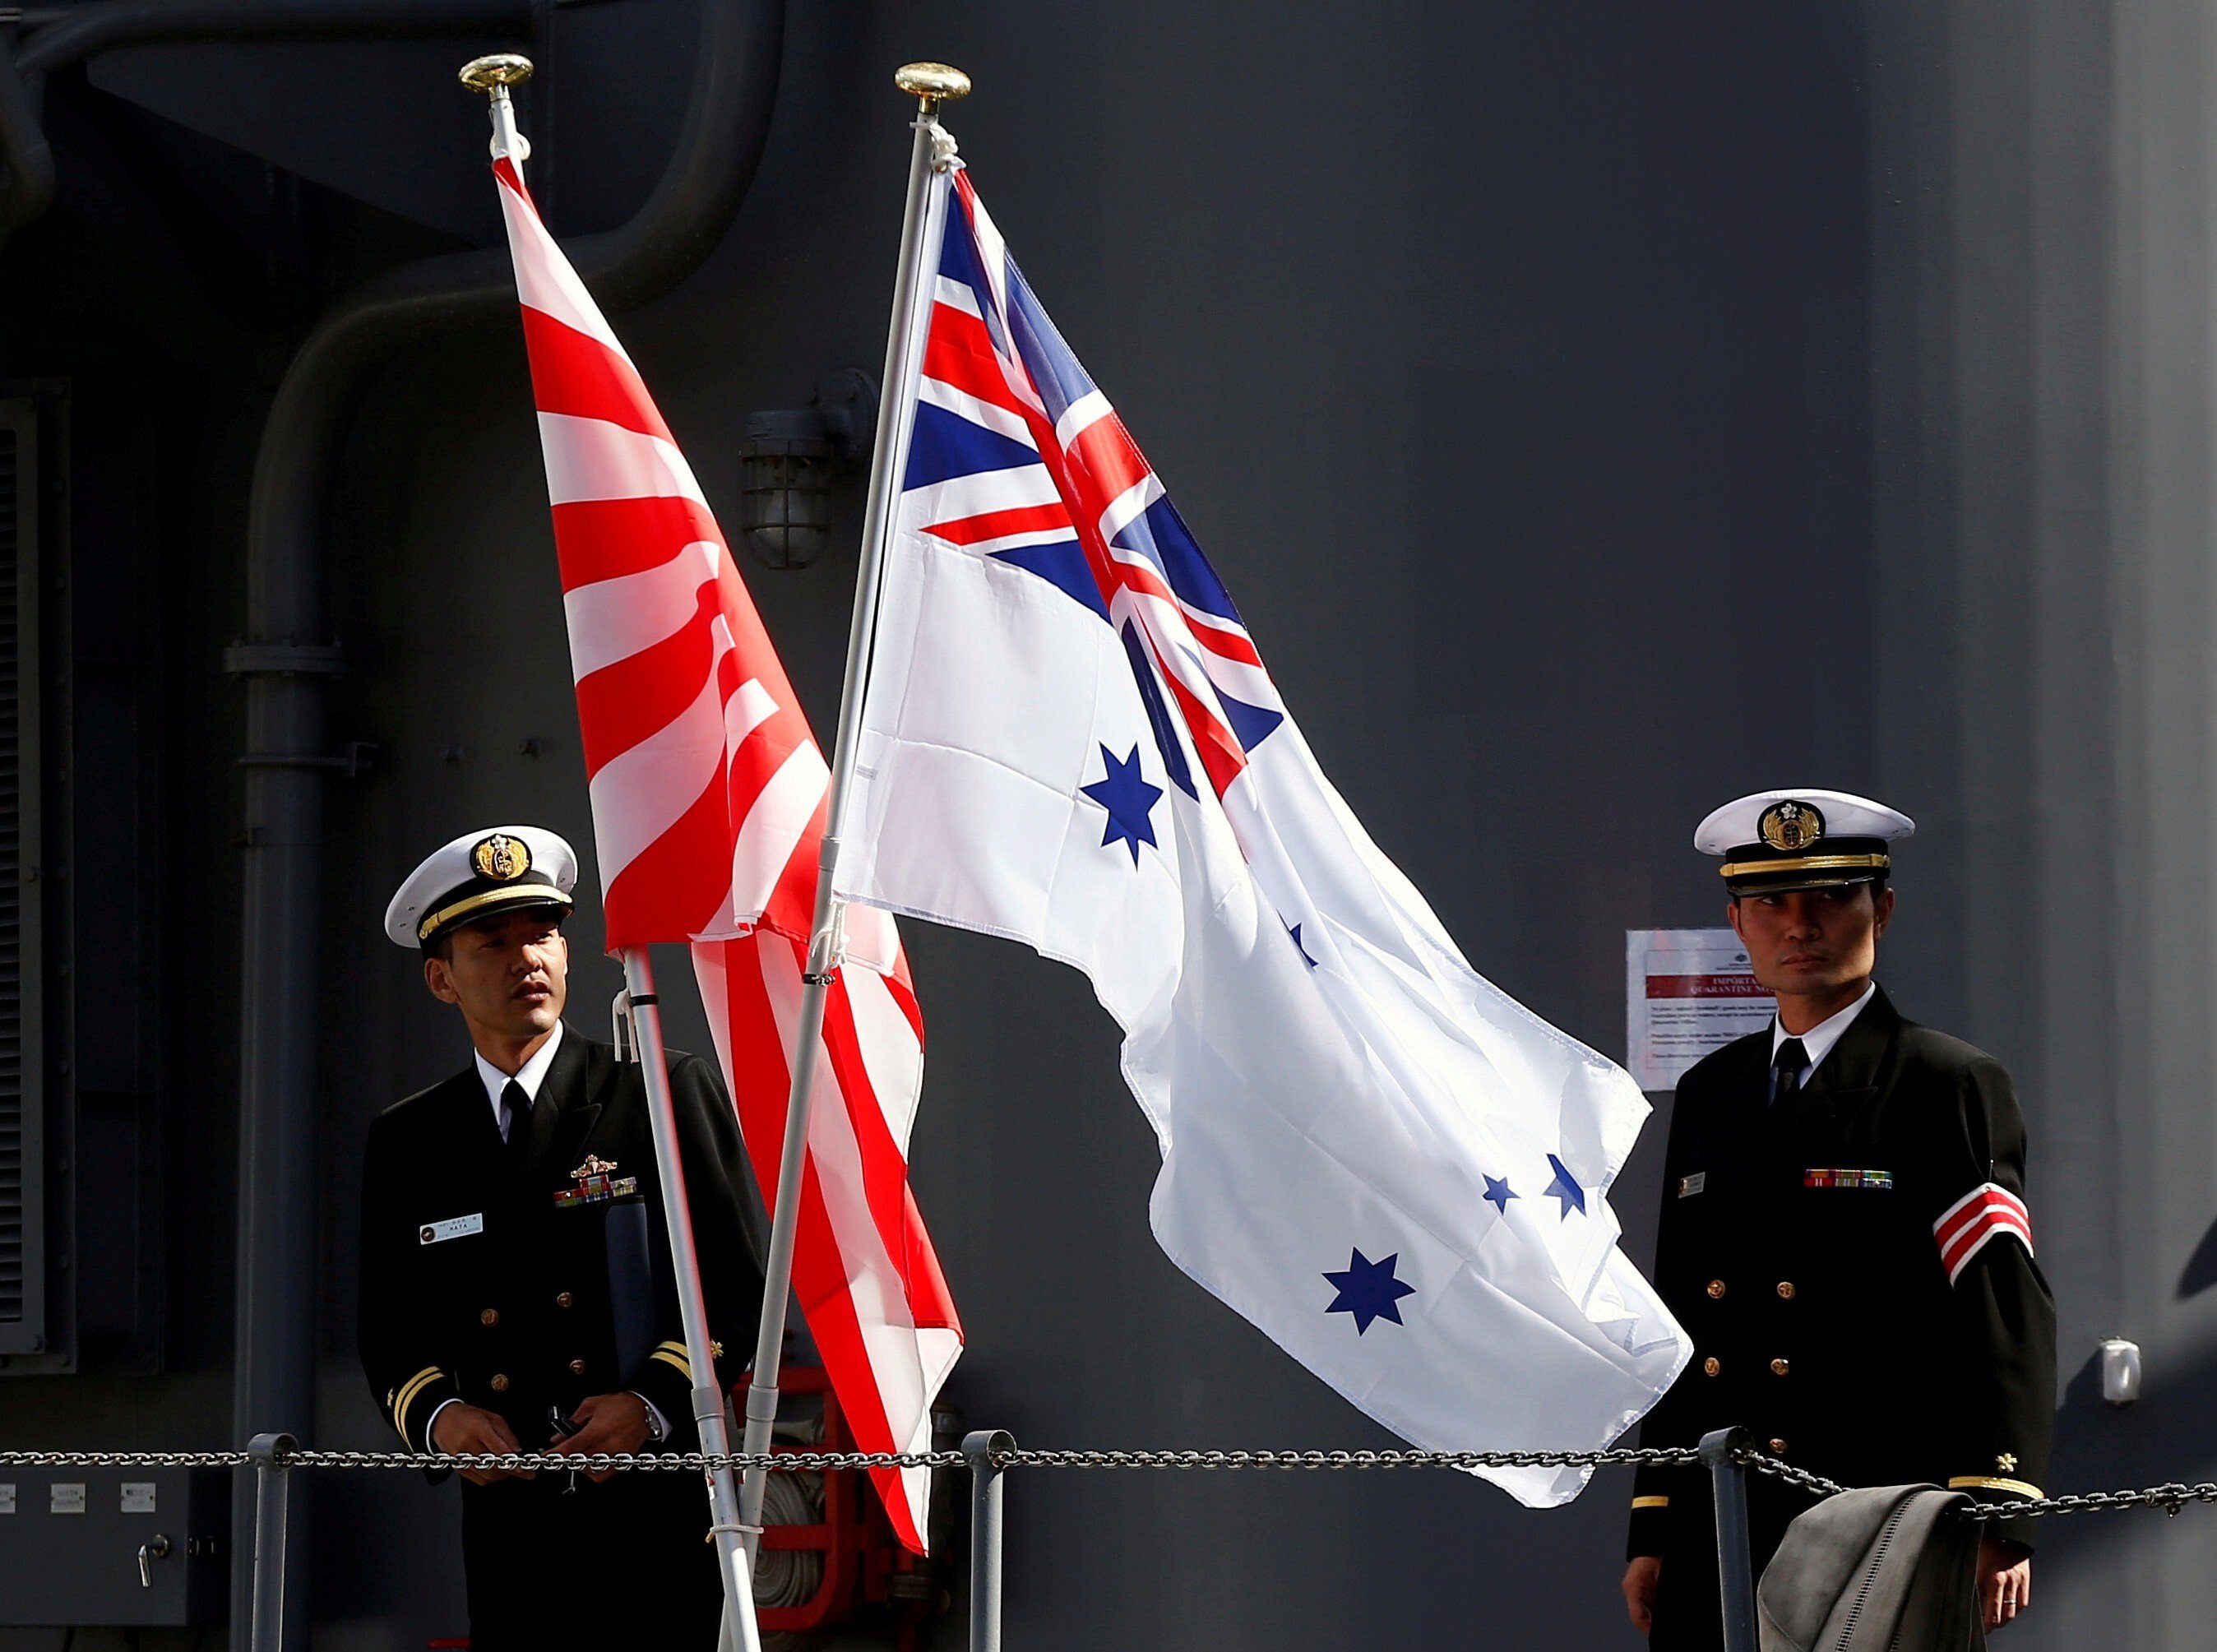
80, 32
25, 161
68, 35
288, 656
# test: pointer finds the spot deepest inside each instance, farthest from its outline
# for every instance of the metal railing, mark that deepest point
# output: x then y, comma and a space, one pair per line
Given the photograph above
987, 1456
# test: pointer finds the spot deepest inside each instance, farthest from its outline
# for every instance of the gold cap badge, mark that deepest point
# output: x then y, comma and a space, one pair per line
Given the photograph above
1789, 826
503, 858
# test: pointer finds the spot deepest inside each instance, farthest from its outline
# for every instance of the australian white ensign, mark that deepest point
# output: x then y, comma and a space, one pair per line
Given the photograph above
1070, 739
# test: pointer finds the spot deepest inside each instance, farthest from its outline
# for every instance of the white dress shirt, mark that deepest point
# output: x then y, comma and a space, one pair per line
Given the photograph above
1819, 1040
531, 1075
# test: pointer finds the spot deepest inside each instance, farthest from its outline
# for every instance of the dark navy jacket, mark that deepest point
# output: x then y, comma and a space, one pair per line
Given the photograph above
516, 1286
1848, 1265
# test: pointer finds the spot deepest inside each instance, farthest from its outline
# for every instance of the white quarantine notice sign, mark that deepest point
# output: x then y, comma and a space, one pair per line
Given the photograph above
1686, 992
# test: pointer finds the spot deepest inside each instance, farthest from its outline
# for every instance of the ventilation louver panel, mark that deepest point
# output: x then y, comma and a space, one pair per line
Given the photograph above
22, 1202
11, 900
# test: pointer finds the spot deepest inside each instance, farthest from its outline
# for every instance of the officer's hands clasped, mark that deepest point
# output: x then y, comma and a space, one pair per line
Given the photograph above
606, 1422
470, 1429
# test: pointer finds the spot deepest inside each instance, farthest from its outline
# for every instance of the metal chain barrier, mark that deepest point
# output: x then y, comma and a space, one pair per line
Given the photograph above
2171, 1497
1655, 1457
698, 1462
595, 1462
816, 1462
1726, 1455
123, 1460
1763, 1463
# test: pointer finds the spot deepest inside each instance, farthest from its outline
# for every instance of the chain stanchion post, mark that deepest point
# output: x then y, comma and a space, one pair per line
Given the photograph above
272, 1489
982, 1448
1720, 1452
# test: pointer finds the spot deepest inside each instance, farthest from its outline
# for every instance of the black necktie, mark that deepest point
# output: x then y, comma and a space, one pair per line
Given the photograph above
1785, 1069
517, 1100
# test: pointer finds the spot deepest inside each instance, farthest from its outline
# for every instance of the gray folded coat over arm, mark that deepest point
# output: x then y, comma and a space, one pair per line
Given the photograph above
1882, 1569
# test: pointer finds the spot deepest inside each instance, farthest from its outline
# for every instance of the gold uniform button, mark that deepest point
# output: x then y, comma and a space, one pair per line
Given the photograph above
1712, 1366
564, 1299
1716, 1289
1778, 1447
499, 1383
1778, 1368
1786, 1290
491, 1317
577, 1367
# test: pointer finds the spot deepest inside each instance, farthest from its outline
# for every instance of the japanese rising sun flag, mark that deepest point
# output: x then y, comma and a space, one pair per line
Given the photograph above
709, 798
1071, 739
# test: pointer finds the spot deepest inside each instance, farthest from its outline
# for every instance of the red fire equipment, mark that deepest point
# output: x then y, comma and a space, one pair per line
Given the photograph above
863, 1562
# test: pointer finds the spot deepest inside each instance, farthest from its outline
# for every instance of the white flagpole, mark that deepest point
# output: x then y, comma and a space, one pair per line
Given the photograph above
735, 1559
931, 84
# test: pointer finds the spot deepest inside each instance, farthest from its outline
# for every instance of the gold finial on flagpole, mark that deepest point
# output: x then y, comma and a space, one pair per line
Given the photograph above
493, 75
932, 83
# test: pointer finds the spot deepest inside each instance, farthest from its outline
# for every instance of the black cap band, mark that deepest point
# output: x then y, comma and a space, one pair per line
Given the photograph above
482, 897
1756, 868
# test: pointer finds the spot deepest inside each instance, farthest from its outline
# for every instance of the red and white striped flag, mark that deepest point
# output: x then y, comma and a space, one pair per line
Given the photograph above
708, 796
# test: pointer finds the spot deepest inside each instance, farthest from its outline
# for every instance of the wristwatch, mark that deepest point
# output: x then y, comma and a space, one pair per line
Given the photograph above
658, 1426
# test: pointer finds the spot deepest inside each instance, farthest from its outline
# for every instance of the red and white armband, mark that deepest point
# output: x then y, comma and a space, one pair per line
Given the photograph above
1985, 1213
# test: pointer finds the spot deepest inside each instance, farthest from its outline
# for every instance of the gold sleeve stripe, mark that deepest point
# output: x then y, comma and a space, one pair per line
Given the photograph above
1985, 1483
1651, 1502
405, 1395
677, 1361
409, 1389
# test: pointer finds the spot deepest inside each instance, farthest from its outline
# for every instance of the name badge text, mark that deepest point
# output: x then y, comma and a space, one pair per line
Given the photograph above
453, 1227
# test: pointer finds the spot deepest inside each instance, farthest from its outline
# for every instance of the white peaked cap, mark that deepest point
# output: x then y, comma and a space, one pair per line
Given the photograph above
1739, 823
491, 870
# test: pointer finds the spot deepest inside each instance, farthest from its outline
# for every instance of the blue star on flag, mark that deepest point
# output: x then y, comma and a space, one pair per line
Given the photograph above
1499, 1192
1565, 1187
1368, 1290
1123, 790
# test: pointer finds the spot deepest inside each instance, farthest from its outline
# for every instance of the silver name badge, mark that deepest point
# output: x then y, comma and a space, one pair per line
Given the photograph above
453, 1228
1688, 1185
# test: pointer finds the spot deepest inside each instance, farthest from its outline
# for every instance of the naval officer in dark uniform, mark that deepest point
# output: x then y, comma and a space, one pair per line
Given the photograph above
1844, 1234
516, 1290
